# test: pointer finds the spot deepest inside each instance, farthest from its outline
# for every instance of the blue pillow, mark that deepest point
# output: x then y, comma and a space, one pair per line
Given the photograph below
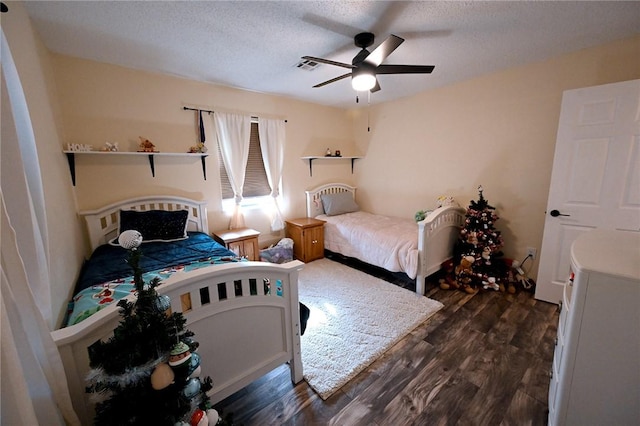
154, 225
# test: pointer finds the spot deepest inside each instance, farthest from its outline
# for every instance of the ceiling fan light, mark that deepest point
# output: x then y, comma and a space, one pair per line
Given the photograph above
363, 81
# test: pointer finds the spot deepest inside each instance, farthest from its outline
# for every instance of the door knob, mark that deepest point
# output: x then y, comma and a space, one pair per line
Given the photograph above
556, 213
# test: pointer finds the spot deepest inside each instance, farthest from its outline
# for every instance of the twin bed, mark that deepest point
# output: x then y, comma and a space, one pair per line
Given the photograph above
245, 315
392, 243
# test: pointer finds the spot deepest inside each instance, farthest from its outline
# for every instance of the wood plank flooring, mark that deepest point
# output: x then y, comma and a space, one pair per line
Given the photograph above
481, 360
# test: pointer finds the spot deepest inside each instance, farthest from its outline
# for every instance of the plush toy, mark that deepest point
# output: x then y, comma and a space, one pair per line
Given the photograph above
449, 280
490, 283
146, 145
461, 277
446, 200
464, 274
421, 214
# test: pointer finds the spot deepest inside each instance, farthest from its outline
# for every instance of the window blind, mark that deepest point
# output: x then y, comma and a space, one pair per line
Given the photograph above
255, 180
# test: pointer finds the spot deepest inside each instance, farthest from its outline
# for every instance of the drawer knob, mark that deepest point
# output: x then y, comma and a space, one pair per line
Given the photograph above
559, 305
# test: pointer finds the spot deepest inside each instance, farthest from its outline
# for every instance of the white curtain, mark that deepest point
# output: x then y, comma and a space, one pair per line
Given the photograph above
234, 133
33, 386
25, 195
272, 140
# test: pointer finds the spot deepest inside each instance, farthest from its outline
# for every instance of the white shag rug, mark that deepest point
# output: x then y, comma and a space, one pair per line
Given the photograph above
354, 319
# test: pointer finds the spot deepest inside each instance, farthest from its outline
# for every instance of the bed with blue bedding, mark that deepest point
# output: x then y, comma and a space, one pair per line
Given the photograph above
247, 314
106, 276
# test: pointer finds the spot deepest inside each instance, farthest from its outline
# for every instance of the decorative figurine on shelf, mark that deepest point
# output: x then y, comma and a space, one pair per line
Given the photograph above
199, 148
110, 147
146, 145
328, 153
338, 153
79, 147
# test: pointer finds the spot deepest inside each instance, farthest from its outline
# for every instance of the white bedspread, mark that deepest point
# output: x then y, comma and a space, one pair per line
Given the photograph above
388, 242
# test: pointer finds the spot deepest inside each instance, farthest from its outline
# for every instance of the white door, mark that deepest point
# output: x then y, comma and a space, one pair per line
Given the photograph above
595, 182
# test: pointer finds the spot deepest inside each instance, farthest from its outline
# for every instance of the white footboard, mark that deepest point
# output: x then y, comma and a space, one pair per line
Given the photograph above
244, 315
437, 236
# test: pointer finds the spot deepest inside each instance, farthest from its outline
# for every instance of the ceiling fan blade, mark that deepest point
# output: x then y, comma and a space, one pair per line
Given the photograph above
333, 80
404, 69
385, 49
376, 87
327, 61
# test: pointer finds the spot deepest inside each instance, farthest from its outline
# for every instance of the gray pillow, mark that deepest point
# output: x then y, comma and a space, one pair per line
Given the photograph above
339, 203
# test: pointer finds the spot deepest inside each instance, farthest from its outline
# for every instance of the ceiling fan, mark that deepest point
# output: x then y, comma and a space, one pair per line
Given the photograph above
366, 65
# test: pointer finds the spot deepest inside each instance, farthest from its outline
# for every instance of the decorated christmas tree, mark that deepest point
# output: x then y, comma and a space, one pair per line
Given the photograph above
148, 372
478, 250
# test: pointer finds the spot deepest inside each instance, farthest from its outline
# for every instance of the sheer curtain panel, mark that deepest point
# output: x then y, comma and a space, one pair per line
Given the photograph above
34, 385
233, 132
272, 140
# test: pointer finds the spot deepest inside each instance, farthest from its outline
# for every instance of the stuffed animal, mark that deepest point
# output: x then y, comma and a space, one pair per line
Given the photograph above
146, 145
464, 274
421, 215
449, 280
462, 277
445, 200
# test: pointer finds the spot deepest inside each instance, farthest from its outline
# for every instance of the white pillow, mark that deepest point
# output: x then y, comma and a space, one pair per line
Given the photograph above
339, 203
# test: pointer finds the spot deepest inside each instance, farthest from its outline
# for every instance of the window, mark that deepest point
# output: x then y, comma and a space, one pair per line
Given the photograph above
255, 180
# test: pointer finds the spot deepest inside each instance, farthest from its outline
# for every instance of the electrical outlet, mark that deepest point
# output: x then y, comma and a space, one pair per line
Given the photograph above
531, 251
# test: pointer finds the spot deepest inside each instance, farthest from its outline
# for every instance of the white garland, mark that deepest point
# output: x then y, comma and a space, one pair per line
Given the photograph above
129, 377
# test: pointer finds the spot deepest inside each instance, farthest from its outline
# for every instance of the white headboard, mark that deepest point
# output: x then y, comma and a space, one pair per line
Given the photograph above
314, 203
102, 223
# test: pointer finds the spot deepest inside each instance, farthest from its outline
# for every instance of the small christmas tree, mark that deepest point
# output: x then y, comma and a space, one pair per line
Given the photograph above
148, 372
478, 250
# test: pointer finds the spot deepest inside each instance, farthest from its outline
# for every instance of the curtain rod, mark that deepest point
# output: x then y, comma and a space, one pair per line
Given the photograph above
212, 112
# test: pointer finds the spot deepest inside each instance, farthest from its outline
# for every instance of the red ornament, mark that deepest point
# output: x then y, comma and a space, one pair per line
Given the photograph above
196, 417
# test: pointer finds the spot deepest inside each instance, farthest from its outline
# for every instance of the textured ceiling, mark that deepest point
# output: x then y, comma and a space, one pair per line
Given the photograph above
256, 45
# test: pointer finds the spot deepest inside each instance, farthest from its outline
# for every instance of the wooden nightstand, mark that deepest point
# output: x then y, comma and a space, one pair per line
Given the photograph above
308, 238
241, 241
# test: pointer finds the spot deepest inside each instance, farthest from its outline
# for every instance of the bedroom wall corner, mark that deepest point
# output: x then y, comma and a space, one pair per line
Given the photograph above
34, 68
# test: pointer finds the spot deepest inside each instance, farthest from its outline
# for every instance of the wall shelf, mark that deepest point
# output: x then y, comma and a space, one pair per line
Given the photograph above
328, 158
71, 158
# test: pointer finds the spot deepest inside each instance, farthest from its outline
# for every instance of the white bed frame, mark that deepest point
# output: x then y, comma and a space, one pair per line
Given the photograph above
242, 337
437, 233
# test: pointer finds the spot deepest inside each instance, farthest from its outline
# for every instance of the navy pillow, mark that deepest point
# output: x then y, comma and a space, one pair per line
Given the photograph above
154, 225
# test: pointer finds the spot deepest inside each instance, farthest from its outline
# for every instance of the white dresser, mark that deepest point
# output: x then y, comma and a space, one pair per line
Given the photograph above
595, 378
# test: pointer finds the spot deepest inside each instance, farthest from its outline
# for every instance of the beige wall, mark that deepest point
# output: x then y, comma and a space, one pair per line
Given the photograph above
66, 241
103, 103
497, 131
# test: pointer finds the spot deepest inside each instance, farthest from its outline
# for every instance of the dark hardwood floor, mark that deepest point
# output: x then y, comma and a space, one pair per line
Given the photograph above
481, 360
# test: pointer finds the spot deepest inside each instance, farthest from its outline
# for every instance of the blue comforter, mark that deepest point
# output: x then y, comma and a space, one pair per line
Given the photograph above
109, 262
107, 277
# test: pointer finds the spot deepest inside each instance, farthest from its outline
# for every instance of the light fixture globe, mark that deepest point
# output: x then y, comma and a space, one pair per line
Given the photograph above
363, 79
